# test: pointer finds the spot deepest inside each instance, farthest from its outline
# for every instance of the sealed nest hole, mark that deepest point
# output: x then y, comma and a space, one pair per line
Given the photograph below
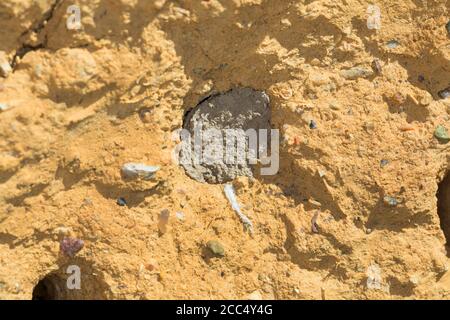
213, 134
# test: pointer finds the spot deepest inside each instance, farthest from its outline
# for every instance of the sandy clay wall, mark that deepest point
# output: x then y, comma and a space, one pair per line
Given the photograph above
358, 209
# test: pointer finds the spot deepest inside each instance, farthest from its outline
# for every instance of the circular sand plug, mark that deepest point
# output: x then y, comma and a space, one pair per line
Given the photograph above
218, 128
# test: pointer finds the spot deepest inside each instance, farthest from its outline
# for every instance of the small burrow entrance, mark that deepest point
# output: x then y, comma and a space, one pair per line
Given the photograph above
443, 207
48, 288
215, 137
78, 281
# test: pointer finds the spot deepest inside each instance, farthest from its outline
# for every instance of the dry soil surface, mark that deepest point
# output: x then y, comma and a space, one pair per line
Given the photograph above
79, 104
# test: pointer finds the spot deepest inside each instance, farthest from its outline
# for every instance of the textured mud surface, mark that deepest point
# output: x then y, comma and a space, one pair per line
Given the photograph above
352, 213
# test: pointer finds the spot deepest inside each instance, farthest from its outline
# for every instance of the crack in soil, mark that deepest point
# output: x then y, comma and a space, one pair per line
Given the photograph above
38, 28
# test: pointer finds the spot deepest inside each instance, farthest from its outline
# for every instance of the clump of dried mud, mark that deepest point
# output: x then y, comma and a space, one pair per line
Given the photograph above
81, 103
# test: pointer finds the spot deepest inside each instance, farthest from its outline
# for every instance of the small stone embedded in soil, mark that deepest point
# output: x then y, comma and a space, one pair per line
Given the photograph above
71, 246
392, 44
407, 127
255, 295
5, 67
369, 127
373, 277
145, 115
376, 66
441, 134
398, 99
444, 94
314, 202
63, 230
163, 221
390, 201
87, 202
139, 170
374, 18
314, 225
4, 107
384, 163
426, 99
447, 26
180, 215
312, 124
216, 247
152, 265
121, 202
356, 72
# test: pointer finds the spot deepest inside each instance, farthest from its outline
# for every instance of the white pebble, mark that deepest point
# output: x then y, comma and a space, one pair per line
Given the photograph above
5, 67
4, 107
374, 19
179, 215
139, 170
255, 295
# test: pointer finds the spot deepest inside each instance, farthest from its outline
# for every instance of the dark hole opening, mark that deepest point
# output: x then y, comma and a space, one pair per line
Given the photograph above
46, 289
443, 204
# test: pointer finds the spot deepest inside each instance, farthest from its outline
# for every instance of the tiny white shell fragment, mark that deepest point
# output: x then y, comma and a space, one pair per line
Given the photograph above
229, 192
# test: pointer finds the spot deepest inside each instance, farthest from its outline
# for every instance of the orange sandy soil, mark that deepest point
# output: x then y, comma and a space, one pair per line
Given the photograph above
73, 121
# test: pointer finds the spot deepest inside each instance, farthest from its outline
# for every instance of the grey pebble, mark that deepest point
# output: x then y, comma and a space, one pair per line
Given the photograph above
391, 201
312, 124
392, 44
444, 94
121, 202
